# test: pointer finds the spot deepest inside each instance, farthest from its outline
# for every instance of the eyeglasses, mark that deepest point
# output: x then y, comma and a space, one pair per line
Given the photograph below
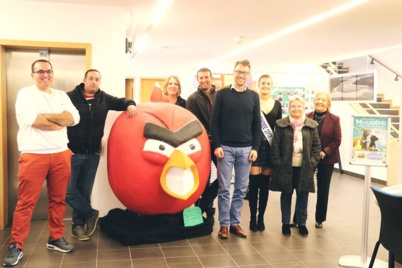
42, 72
242, 73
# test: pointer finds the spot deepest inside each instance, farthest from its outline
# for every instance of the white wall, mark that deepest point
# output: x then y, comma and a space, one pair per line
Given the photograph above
103, 27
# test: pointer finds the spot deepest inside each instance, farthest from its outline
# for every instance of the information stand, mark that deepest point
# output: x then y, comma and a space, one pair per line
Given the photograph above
370, 136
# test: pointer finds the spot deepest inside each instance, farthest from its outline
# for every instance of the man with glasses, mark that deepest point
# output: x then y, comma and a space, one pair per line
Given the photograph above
236, 134
43, 114
85, 138
200, 103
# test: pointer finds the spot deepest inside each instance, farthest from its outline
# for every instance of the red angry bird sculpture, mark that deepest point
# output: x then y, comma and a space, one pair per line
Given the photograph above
159, 161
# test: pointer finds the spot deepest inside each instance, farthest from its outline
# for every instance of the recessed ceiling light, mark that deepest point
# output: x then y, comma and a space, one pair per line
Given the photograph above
240, 39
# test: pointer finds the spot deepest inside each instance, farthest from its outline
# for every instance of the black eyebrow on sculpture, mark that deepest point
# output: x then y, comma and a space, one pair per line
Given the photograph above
186, 133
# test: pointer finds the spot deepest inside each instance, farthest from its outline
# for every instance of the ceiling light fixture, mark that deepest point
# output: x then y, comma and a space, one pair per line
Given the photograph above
396, 78
372, 61
240, 39
160, 10
138, 42
292, 29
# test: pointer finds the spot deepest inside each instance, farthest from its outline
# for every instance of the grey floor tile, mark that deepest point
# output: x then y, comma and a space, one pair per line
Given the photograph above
114, 255
119, 264
209, 250
291, 265
175, 252
80, 257
146, 253
218, 261
83, 265
146, 263
248, 259
280, 257
192, 262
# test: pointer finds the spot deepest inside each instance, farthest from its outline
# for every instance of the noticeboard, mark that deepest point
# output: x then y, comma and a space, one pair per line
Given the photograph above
370, 140
282, 94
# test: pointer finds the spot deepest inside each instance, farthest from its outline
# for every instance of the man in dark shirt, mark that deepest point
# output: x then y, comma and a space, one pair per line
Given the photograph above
85, 138
200, 103
236, 134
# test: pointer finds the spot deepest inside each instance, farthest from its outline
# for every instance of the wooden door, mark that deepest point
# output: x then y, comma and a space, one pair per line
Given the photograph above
147, 84
130, 92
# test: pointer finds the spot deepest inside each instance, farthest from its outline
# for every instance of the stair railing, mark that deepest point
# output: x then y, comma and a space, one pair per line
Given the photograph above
374, 59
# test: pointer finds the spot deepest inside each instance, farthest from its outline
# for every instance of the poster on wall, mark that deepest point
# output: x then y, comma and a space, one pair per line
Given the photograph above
282, 94
370, 140
353, 86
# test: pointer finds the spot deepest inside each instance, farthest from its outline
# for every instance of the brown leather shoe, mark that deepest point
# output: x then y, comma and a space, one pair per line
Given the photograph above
223, 232
238, 231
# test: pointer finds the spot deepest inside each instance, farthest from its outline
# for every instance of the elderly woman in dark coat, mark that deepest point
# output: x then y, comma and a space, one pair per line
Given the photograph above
295, 153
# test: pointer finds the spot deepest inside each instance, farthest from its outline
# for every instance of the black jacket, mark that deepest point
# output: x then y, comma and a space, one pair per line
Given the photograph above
85, 137
201, 106
181, 102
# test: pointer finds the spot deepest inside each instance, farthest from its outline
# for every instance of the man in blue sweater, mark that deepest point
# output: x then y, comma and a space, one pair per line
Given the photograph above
235, 134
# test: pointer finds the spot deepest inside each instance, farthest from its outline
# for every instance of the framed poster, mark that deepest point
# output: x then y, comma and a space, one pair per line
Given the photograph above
282, 94
353, 86
370, 140
217, 80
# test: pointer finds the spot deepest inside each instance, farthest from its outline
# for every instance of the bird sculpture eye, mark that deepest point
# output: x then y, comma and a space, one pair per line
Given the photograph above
190, 147
159, 147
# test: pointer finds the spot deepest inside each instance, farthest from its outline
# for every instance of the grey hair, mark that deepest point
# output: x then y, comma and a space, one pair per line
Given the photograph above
296, 98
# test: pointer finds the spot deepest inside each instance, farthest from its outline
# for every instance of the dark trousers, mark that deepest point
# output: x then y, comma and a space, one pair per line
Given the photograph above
83, 172
258, 195
324, 174
300, 214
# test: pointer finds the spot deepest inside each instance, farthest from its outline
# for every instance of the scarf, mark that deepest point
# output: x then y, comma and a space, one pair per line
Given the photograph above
297, 125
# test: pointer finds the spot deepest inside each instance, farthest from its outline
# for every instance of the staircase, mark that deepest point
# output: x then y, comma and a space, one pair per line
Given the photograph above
381, 107
384, 107
334, 67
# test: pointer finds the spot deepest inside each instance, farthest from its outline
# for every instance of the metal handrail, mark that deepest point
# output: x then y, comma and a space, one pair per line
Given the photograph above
387, 67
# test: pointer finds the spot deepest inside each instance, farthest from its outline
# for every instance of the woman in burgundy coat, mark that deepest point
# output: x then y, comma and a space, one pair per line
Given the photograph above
329, 130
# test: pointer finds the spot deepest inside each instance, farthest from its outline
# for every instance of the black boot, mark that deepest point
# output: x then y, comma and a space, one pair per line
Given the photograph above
261, 225
253, 197
253, 224
264, 181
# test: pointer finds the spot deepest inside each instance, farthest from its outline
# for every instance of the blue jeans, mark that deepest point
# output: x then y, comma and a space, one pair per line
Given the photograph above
301, 201
237, 158
83, 171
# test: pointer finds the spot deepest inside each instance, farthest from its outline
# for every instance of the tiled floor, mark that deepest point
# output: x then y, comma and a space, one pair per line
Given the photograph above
341, 235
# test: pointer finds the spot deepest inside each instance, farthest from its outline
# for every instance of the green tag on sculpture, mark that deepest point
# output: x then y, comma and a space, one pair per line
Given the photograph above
192, 216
